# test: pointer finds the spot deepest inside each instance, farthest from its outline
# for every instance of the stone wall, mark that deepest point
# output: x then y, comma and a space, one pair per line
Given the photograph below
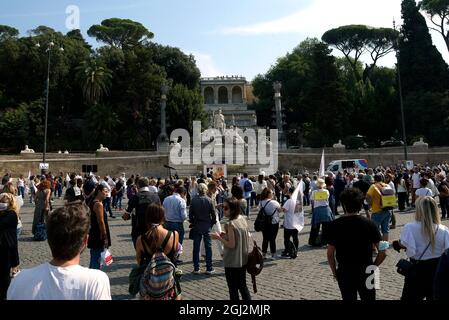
152, 163
113, 163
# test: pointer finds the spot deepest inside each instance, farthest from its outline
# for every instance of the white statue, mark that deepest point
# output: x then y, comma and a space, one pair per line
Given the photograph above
339, 145
102, 148
66, 152
27, 150
420, 143
254, 120
219, 121
59, 152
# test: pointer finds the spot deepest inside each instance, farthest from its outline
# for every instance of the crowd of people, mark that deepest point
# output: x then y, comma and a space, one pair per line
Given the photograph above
219, 210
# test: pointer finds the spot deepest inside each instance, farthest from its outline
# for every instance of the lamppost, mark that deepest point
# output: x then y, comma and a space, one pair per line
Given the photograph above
49, 49
404, 136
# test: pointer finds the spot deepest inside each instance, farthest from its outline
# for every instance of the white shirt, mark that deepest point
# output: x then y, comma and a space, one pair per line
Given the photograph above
289, 216
413, 239
401, 186
415, 178
108, 187
20, 183
48, 282
152, 189
270, 208
260, 186
423, 192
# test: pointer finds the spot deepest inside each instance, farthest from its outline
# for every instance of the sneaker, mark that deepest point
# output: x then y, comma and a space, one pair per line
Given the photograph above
196, 271
113, 217
209, 272
285, 254
273, 257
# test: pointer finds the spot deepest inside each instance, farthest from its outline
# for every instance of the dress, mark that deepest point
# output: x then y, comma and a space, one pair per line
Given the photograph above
39, 209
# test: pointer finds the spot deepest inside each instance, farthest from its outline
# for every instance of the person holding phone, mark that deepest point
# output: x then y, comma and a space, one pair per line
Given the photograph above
235, 255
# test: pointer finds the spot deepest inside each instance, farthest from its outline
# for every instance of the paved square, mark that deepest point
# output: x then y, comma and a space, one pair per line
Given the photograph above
307, 277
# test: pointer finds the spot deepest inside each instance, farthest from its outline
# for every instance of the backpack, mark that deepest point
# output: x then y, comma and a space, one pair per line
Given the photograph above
262, 219
159, 280
387, 197
247, 186
254, 265
144, 200
292, 251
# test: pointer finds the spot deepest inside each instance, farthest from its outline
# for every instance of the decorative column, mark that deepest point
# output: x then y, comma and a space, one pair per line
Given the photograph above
162, 140
279, 121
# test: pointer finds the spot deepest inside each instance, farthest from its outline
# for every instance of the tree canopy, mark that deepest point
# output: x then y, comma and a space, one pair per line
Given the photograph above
109, 95
358, 39
438, 12
120, 33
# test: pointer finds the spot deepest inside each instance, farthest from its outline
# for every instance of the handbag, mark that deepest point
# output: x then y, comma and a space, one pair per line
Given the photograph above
406, 267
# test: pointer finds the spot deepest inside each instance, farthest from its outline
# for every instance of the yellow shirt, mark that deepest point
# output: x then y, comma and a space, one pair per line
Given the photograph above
376, 197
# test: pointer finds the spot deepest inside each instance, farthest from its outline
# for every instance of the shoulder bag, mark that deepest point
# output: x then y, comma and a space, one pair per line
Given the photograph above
406, 267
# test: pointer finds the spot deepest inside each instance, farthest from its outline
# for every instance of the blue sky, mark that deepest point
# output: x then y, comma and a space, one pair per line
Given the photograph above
232, 37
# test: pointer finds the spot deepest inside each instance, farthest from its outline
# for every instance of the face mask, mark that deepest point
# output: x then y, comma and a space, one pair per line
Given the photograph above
3, 206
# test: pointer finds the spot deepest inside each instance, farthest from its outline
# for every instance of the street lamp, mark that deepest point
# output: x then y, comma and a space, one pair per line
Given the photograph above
404, 137
49, 49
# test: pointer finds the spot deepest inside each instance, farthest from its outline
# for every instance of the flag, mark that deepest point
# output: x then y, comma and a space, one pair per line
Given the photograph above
321, 172
296, 198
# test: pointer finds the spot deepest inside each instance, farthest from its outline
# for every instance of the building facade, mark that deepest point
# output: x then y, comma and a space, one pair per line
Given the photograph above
231, 95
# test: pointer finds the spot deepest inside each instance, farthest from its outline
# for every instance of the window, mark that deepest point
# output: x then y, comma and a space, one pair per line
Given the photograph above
223, 95
237, 96
209, 96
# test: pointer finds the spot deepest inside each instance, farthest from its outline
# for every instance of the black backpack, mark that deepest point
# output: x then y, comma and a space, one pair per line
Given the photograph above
262, 219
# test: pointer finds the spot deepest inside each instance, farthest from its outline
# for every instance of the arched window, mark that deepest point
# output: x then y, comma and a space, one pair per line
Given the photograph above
223, 95
237, 96
209, 95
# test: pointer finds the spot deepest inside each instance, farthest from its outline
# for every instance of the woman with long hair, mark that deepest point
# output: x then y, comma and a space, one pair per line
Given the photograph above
270, 231
235, 256
260, 185
424, 240
9, 255
42, 203
99, 235
156, 238
237, 193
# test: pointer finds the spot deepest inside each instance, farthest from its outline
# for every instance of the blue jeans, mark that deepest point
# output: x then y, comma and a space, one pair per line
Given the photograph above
247, 206
119, 201
176, 226
196, 249
22, 192
382, 220
107, 206
95, 256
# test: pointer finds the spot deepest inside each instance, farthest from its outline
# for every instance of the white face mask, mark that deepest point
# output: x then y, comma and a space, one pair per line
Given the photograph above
3, 206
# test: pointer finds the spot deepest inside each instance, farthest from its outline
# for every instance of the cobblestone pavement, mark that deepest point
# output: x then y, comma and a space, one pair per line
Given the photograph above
307, 277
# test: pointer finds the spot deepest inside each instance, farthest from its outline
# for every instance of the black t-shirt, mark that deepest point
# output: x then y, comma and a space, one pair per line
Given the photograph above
70, 195
362, 185
88, 186
353, 237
